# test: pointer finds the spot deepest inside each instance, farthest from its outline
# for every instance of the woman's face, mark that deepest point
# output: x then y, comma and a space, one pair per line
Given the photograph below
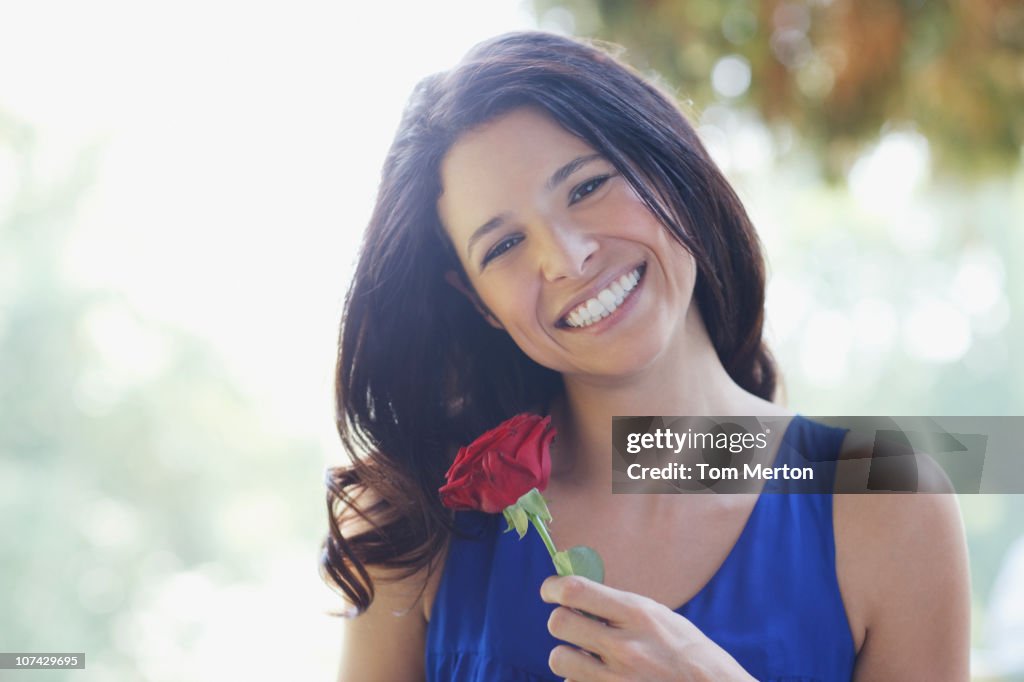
560, 249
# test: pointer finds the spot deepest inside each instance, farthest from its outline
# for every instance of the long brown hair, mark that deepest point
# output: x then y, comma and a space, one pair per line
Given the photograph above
419, 370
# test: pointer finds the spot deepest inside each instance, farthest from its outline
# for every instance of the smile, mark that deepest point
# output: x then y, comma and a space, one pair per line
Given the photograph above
606, 302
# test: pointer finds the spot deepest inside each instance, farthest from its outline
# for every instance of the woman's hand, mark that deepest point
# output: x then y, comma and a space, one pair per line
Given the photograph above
639, 639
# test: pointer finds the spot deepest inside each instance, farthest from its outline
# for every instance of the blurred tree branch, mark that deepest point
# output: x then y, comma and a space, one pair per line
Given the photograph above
838, 71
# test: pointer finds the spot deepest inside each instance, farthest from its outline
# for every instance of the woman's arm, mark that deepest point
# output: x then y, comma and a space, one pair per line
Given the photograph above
387, 641
902, 564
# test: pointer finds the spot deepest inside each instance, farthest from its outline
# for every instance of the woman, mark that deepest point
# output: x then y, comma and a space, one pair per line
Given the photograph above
520, 186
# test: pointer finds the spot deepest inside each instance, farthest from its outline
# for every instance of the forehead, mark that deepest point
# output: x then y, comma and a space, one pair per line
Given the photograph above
492, 167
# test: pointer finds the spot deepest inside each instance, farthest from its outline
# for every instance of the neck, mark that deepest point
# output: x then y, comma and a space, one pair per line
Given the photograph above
688, 380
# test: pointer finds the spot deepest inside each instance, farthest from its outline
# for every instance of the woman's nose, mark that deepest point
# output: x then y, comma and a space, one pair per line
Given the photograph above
565, 251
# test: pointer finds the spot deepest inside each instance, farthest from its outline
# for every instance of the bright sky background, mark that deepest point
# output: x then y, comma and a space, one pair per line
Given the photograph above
240, 148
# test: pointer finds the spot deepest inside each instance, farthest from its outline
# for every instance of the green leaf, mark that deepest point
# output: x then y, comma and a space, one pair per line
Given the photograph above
580, 560
517, 518
534, 504
586, 562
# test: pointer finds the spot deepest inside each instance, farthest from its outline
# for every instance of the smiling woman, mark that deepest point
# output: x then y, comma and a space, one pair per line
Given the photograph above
550, 236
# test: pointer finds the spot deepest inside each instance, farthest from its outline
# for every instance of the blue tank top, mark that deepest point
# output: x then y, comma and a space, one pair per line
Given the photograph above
774, 604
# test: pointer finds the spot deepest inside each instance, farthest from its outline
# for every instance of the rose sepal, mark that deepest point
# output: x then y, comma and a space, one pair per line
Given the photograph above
517, 518
534, 503
530, 505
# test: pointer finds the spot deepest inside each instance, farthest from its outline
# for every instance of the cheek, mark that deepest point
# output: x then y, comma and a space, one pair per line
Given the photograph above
635, 221
512, 302
517, 308
681, 266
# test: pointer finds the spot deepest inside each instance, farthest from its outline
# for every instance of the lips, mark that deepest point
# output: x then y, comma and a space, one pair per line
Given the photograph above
601, 300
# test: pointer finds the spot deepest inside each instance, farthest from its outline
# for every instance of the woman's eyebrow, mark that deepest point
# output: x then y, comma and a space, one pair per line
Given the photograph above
568, 169
481, 232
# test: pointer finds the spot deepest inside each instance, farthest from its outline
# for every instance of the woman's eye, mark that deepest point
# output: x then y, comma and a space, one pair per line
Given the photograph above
500, 248
588, 187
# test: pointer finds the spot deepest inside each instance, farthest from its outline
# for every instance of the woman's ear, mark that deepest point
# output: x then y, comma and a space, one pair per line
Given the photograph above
455, 280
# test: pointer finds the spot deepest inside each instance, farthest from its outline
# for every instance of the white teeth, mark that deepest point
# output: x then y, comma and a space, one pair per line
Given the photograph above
606, 301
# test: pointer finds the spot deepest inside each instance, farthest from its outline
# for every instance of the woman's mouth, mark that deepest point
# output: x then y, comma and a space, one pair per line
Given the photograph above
606, 302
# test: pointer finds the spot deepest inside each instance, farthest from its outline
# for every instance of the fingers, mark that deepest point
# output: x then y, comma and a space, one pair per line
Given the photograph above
614, 606
573, 664
578, 629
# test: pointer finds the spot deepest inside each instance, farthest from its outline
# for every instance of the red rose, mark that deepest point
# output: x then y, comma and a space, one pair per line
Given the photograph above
496, 469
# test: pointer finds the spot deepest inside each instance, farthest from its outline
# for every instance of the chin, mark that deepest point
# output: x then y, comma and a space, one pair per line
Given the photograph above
622, 363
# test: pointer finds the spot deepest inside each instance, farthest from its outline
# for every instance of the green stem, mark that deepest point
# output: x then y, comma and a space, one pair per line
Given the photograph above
544, 534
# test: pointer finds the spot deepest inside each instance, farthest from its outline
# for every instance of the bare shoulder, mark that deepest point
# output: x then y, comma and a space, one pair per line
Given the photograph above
387, 641
867, 463
901, 560
433, 581
415, 591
